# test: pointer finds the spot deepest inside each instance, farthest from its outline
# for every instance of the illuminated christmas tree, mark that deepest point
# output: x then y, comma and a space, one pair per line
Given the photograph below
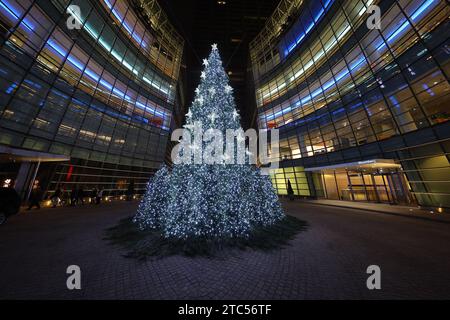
155, 201
218, 200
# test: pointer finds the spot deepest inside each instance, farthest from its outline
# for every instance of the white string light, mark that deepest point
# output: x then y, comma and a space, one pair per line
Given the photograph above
204, 200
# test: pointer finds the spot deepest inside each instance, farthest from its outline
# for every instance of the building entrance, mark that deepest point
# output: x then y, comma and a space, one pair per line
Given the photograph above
370, 181
19, 168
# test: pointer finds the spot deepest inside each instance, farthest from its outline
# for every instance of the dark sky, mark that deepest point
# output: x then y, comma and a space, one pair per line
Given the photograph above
232, 26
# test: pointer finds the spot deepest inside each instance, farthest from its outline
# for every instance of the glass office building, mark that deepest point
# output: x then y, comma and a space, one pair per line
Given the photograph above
90, 84
362, 113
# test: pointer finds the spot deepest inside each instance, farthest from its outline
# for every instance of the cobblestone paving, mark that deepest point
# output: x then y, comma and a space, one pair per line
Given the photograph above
328, 261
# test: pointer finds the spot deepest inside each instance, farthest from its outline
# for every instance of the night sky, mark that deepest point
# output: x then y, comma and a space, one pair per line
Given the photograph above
232, 26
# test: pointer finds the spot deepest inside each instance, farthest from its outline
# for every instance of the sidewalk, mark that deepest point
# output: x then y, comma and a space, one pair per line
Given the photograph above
410, 212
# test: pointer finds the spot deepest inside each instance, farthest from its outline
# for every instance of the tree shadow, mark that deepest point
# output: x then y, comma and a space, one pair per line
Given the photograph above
141, 245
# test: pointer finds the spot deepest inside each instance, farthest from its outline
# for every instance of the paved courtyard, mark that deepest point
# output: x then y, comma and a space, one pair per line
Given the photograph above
327, 261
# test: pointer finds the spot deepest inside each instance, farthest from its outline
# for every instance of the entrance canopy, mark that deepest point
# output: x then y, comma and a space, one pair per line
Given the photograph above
8, 154
377, 180
365, 165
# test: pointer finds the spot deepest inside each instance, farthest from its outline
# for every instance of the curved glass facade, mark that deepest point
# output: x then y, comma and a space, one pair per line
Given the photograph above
340, 92
102, 94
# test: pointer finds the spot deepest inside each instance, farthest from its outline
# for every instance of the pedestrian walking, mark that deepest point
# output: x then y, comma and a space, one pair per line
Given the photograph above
56, 197
80, 195
130, 191
73, 196
93, 196
290, 191
35, 197
99, 196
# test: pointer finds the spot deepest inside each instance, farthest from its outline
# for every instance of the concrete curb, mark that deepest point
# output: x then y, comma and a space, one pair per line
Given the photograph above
379, 211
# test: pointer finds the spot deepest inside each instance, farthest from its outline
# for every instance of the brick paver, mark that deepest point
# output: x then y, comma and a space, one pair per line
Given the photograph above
328, 261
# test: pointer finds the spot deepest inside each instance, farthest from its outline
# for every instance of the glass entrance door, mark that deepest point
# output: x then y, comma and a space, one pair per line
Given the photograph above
398, 188
367, 185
